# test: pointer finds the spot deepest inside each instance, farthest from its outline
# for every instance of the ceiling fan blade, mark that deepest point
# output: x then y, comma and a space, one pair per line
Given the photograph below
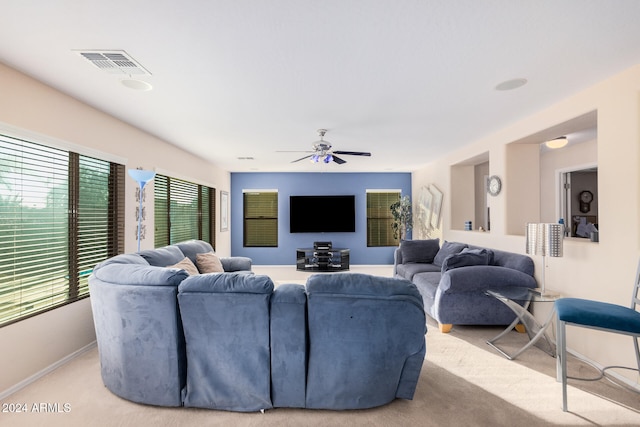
353, 153
295, 151
337, 159
302, 158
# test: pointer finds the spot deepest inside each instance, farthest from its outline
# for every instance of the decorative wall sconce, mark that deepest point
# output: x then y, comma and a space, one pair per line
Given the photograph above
141, 177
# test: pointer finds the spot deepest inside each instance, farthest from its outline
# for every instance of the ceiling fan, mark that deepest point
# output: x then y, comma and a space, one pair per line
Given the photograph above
322, 152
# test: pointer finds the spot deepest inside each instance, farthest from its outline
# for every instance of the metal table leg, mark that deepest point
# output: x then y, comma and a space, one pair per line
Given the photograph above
535, 331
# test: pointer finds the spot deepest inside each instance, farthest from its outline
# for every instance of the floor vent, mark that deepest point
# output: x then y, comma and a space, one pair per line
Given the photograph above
114, 62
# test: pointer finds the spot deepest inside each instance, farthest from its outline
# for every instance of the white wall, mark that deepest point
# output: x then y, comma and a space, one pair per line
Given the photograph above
37, 110
601, 271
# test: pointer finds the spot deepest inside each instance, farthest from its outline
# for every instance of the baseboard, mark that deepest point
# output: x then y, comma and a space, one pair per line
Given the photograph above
35, 377
626, 381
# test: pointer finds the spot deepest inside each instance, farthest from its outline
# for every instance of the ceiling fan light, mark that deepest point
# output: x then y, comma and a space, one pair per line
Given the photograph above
315, 158
327, 158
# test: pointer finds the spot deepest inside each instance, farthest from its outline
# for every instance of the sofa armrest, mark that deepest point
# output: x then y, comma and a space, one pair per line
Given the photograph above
483, 277
397, 259
236, 263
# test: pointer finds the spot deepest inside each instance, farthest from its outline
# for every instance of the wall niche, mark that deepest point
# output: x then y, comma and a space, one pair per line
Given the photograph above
469, 201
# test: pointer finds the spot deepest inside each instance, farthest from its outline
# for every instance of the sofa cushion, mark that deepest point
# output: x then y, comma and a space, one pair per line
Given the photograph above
141, 275
511, 260
191, 248
466, 258
483, 251
408, 271
226, 327
163, 257
448, 248
209, 263
364, 285
122, 259
236, 282
366, 340
427, 283
236, 263
419, 250
187, 266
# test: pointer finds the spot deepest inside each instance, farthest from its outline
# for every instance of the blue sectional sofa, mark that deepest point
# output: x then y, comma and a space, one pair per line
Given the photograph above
454, 277
231, 341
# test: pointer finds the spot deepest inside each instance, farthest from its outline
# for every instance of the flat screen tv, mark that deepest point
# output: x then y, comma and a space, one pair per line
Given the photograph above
322, 214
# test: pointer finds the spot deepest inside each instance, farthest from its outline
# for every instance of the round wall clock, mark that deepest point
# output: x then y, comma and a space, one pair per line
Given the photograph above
494, 185
586, 197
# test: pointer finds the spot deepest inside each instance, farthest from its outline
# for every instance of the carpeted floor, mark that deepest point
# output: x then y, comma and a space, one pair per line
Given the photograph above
463, 383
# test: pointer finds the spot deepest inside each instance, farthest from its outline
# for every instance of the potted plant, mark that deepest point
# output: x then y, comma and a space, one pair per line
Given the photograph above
402, 218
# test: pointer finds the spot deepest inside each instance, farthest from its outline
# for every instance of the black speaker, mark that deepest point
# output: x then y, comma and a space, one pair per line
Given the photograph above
322, 246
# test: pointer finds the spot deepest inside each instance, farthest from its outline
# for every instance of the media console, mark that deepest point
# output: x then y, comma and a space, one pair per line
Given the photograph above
322, 259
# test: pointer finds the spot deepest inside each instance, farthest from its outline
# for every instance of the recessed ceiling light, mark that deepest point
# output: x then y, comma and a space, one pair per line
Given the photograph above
511, 84
557, 143
136, 84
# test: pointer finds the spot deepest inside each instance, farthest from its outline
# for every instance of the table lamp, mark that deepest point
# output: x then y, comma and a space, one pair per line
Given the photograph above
544, 239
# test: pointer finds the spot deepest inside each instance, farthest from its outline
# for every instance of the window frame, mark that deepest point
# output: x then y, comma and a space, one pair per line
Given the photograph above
383, 227
204, 214
247, 235
32, 156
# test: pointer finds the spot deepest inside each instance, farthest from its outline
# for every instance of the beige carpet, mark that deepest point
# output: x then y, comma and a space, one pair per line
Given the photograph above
463, 383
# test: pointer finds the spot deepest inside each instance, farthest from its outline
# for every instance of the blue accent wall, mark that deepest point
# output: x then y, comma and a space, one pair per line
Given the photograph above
307, 184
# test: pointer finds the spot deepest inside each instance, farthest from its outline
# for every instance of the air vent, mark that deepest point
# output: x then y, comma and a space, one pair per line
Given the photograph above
114, 62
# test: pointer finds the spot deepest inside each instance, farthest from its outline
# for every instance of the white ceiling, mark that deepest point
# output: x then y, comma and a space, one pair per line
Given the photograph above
406, 80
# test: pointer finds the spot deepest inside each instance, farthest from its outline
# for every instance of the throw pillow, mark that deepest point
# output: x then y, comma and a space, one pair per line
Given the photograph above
483, 251
187, 265
465, 259
209, 263
419, 250
448, 248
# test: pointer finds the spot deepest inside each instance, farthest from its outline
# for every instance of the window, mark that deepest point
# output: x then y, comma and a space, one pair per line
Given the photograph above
579, 201
60, 214
183, 211
260, 218
379, 218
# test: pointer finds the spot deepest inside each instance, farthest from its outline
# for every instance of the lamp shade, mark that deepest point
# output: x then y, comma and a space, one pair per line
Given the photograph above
141, 176
544, 239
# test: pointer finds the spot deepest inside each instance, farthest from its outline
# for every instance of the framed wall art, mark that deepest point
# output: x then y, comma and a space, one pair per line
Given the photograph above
436, 206
224, 211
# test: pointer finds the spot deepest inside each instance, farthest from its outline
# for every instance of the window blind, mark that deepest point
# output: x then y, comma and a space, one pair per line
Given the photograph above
379, 218
161, 210
260, 219
183, 211
60, 214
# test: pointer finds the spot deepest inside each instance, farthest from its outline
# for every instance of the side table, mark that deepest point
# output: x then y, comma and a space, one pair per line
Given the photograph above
518, 299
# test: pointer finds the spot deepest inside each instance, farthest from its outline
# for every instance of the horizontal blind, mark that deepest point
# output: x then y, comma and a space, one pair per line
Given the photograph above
207, 200
183, 211
33, 228
161, 210
60, 214
379, 218
260, 219
94, 218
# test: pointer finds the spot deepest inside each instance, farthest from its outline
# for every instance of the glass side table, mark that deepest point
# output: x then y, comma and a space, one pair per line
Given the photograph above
518, 299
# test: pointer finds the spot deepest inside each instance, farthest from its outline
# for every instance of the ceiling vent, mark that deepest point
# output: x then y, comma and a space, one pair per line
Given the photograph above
114, 62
